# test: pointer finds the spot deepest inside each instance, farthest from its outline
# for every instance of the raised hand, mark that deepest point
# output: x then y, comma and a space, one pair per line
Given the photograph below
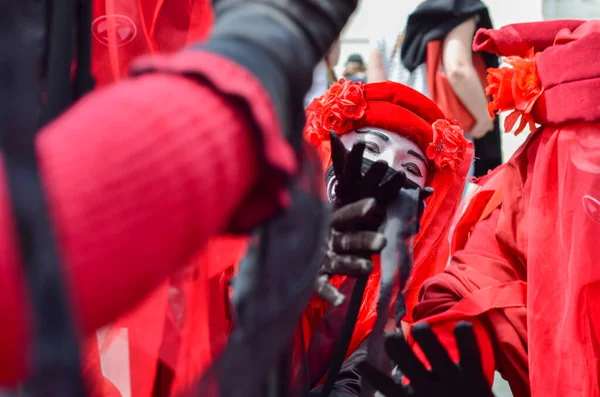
445, 379
349, 247
356, 180
360, 200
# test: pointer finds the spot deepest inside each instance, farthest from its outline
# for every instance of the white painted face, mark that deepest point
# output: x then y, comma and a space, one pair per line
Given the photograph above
399, 152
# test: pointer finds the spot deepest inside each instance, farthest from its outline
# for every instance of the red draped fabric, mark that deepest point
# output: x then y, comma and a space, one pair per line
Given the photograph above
544, 235
125, 29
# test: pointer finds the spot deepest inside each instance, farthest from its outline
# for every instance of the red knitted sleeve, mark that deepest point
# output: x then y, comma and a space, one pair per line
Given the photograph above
138, 176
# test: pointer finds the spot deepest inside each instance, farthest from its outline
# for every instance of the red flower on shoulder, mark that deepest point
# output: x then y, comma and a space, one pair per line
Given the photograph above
337, 110
515, 88
448, 144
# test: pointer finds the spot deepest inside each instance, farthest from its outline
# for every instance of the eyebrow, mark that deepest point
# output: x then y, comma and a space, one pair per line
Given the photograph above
378, 134
417, 155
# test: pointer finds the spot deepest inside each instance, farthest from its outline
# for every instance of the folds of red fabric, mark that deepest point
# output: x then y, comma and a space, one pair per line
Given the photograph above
546, 228
517, 39
560, 205
485, 285
165, 163
126, 29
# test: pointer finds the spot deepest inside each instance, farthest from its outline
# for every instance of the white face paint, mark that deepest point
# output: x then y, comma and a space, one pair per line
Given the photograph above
399, 152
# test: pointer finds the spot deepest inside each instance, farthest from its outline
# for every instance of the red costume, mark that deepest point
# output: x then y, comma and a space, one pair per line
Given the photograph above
524, 270
187, 349
398, 109
135, 196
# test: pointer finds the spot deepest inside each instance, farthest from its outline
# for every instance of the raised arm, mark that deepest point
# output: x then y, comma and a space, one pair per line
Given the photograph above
458, 65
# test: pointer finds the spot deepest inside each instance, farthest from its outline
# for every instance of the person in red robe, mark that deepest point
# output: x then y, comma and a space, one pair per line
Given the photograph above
525, 250
409, 132
193, 146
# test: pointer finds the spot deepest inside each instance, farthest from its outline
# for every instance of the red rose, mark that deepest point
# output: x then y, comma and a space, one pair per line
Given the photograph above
516, 88
336, 89
448, 144
333, 119
500, 89
336, 110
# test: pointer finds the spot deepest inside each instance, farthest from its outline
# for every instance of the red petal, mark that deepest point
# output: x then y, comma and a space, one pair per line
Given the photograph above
522, 124
430, 152
511, 120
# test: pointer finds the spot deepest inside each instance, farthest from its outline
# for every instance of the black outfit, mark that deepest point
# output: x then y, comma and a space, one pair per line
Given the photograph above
433, 20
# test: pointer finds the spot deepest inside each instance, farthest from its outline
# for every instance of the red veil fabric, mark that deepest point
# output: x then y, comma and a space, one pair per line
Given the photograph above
527, 275
125, 29
171, 326
397, 108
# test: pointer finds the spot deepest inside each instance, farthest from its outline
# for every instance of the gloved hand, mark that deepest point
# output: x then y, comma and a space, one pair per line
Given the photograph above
445, 379
280, 42
355, 181
349, 246
360, 201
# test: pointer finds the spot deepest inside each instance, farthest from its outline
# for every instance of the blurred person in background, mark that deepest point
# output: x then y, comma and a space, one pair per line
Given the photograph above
384, 58
356, 69
439, 34
433, 55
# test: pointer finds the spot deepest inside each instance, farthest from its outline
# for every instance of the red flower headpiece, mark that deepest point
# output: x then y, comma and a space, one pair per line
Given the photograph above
348, 105
515, 88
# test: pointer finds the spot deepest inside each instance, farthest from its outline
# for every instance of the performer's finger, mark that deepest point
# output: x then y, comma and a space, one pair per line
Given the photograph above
383, 383
349, 265
353, 168
425, 192
390, 188
401, 353
349, 215
470, 357
339, 154
358, 243
374, 176
441, 364
328, 292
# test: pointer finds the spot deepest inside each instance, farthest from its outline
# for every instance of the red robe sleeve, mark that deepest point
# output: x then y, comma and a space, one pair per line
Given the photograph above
138, 176
485, 285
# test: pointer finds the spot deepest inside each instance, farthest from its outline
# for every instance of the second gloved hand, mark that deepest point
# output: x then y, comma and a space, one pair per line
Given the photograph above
445, 378
349, 247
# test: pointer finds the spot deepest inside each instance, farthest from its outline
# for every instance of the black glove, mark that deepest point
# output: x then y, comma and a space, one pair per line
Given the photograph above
355, 181
349, 247
280, 42
360, 201
445, 379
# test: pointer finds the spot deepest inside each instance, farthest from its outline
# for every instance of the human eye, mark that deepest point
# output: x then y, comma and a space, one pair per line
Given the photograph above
372, 147
413, 169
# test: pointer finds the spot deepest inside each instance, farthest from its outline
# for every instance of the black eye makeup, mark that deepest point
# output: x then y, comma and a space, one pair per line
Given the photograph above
372, 147
413, 169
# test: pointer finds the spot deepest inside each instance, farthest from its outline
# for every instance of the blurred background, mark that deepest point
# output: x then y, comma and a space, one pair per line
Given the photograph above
373, 17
